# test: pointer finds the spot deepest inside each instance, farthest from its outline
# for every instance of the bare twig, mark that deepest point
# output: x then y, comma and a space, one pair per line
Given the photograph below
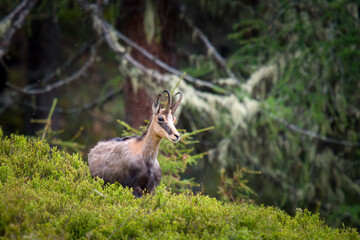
60, 83
310, 133
211, 49
14, 21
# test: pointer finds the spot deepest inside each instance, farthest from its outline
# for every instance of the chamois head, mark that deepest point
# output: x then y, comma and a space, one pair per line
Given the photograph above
163, 119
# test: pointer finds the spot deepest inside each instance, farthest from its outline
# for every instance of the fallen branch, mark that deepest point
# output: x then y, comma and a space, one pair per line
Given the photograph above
12, 22
112, 35
70, 62
60, 83
211, 49
109, 32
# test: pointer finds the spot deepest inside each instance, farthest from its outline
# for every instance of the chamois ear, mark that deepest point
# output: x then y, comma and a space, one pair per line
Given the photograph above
156, 105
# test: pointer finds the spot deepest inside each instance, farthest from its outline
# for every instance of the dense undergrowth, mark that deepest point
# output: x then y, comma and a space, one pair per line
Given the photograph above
48, 194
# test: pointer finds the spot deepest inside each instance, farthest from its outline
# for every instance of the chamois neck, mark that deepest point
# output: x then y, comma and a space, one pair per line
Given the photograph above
150, 145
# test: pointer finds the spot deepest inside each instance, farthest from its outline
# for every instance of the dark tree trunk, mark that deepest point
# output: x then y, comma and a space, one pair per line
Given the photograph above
43, 54
137, 101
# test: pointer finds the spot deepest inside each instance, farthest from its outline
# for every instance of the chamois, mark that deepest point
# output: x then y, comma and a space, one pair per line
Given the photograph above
132, 161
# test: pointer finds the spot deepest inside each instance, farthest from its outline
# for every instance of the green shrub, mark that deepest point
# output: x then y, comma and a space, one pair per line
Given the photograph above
49, 194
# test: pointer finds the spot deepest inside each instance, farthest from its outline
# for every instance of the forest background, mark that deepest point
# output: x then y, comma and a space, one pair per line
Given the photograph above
278, 80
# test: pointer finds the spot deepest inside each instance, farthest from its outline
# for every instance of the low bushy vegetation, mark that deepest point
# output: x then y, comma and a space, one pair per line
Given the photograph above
48, 194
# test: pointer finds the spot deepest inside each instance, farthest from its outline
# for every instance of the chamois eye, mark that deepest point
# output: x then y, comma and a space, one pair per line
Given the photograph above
161, 119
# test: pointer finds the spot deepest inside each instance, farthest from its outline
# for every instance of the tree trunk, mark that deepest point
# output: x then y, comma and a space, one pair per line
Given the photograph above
161, 16
43, 52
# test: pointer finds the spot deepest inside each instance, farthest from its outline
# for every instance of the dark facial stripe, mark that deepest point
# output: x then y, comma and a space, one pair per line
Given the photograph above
166, 128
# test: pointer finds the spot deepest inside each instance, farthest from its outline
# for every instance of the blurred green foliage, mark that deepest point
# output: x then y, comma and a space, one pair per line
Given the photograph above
46, 193
315, 45
316, 49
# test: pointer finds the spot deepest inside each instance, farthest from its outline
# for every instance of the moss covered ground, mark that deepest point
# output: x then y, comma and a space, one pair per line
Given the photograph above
49, 194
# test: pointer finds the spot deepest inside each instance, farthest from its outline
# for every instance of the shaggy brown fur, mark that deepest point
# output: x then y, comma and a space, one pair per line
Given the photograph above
132, 161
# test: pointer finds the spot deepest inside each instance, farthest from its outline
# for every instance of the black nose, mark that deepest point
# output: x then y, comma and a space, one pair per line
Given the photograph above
177, 136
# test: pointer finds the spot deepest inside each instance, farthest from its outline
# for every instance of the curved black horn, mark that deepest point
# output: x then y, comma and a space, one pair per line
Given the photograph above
169, 102
177, 103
